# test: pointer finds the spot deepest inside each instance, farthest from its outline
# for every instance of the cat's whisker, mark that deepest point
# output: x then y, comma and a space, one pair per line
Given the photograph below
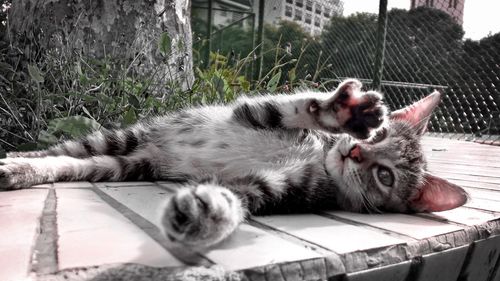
366, 203
372, 205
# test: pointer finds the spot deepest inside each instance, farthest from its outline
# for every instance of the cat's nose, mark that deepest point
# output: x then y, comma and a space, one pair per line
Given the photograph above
355, 153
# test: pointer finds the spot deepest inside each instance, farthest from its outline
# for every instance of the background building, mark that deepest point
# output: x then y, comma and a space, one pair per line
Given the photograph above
454, 8
312, 15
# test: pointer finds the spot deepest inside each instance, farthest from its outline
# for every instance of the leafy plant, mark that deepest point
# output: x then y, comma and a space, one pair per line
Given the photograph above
46, 97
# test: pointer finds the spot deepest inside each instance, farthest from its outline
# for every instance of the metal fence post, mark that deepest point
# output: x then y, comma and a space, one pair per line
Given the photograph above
209, 33
378, 65
260, 40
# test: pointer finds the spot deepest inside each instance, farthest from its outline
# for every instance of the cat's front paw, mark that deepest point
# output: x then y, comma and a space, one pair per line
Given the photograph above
201, 216
352, 111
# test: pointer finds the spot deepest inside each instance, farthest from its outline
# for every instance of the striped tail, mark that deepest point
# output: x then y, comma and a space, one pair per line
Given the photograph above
105, 142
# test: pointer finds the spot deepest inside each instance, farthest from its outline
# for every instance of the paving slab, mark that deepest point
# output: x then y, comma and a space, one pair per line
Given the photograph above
20, 213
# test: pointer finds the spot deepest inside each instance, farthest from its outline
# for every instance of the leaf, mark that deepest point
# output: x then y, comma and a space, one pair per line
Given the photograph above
5, 67
129, 117
273, 83
27, 146
104, 98
47, 138
164, 44
245, 84
35, 73
219, 85
73, 126
134, 101
292, 75
86, 111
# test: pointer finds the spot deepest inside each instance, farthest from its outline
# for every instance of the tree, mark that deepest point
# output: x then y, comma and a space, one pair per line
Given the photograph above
124, 31
289, 45
424, 46
350, 44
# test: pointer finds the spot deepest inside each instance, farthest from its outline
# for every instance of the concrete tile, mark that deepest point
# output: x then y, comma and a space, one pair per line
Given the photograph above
73, 184
147, 201
172, 186
328, 233
123, 183
247, 247
252, 247
20, 211
93, 233
412, 226
463, 215
45, 185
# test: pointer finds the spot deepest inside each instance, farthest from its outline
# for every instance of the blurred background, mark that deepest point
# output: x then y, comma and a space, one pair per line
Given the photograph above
405, 48
69, 67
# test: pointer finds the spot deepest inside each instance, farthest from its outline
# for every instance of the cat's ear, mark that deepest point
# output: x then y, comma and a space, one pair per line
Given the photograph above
419, 113
438, 194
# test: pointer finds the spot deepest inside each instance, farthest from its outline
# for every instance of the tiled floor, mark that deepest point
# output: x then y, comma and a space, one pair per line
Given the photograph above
109, 231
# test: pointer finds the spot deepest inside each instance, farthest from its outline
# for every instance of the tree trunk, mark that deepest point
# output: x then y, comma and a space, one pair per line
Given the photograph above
121, 30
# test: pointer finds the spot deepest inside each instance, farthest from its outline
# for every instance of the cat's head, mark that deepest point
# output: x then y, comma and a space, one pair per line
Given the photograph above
388, 172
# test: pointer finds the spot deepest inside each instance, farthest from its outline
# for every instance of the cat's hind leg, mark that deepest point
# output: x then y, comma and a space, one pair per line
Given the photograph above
16, 173
201, 215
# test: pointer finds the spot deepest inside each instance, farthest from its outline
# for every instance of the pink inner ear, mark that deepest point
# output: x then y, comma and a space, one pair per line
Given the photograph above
438, 194
418, 114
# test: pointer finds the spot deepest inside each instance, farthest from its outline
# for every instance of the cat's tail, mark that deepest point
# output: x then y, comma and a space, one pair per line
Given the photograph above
102, 142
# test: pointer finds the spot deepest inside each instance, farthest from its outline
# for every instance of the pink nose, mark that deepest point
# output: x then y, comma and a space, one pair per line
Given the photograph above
355, 154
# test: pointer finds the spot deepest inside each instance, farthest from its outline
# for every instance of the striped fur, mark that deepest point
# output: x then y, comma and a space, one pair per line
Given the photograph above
259, 155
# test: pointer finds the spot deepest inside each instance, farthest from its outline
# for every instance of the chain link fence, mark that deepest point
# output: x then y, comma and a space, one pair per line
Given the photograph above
425, 50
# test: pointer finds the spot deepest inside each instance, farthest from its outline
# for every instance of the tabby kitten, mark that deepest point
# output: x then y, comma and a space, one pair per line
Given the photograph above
260, 155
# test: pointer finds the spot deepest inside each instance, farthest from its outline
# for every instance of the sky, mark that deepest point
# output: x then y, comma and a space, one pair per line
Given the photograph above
480, 16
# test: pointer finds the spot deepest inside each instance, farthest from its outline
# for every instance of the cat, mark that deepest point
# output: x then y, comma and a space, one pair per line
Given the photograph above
259, 155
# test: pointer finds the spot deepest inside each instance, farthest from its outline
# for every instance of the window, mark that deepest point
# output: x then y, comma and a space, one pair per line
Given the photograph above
288, 11
289, 1
429, 3
309, 5
455, 4
298, 15
299, 3
317, 22
308, 18
450, 3
318, 9
327, 12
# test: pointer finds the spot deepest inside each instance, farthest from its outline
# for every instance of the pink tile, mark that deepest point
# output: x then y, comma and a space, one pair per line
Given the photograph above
412, 226
93, 233
19, 220
334, 235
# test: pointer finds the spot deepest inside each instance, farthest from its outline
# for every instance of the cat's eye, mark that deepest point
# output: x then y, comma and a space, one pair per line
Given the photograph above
385, 176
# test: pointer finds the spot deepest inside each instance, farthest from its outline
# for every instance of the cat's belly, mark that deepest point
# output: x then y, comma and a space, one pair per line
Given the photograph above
240, 151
